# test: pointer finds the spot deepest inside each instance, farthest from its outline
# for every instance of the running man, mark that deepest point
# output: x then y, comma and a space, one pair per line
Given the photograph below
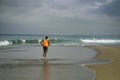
45, 43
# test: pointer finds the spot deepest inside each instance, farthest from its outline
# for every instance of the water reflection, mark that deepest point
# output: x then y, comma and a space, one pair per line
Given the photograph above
45, 70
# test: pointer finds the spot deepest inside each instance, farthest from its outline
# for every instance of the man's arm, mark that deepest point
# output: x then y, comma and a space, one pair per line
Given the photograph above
41, 42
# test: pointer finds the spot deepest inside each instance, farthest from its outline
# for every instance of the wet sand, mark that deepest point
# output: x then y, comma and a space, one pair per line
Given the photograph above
63, 63
22, 63
109, 71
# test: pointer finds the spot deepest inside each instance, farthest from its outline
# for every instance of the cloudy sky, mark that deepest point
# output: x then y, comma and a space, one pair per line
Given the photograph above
60, 16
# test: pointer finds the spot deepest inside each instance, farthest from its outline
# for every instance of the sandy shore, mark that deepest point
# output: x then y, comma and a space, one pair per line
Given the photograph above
109, 71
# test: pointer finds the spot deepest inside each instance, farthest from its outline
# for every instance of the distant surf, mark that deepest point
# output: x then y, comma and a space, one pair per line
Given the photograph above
61, 40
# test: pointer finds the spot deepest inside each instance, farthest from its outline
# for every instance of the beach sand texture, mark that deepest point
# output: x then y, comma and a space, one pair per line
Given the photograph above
109, 71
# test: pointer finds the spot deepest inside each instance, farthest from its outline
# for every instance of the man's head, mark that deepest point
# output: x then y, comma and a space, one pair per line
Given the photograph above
46, 37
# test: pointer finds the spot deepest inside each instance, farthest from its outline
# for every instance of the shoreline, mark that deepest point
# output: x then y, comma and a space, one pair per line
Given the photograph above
108, 71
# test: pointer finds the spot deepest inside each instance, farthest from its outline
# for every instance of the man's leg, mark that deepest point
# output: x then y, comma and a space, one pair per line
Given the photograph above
45, 52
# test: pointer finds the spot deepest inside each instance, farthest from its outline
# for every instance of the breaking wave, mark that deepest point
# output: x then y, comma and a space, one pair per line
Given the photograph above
64, 42
100, 41
5, 42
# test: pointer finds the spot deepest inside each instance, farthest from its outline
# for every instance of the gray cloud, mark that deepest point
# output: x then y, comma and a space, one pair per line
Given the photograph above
59, 16
111, 9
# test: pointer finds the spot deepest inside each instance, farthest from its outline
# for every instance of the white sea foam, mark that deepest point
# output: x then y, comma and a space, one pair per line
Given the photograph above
23, 40
100, 41
39, 40
5, 42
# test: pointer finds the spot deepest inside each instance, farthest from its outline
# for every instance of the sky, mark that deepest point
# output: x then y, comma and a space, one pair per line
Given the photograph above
60, 17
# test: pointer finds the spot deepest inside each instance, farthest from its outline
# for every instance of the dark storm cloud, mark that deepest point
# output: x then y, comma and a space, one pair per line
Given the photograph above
18, 6
19, 3
60, 16
112, 9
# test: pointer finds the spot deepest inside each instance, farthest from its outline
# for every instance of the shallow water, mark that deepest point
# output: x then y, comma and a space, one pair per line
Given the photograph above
24, 63
46, 72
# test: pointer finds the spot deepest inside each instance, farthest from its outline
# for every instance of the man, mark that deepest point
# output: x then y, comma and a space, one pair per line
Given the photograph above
45, 43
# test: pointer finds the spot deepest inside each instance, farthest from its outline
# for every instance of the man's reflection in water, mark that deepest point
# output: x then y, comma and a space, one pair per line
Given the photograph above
45, 70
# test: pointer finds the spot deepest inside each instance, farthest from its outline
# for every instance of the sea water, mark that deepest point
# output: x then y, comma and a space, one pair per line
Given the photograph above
63, 62
60, 40
20, 56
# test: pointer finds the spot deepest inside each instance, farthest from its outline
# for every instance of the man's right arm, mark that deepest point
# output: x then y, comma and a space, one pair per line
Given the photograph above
41, 42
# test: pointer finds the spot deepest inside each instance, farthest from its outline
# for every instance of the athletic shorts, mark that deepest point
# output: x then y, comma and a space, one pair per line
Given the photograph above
45, 48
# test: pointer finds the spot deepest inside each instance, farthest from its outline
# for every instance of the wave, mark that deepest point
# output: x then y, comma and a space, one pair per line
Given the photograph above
6, 63
29, 41
61, 41
5, 42
100, 41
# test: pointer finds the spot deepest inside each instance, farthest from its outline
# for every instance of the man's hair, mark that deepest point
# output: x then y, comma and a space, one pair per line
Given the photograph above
46, 37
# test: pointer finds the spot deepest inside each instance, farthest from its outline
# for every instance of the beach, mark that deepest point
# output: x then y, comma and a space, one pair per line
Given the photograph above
68, 58
24, 63
67, 63
108, 71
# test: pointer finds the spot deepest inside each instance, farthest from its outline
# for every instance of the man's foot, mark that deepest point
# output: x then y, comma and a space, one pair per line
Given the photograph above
43, 58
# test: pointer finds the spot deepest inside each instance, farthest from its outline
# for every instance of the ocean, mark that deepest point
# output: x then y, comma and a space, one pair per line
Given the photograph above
60, 40
20, 56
